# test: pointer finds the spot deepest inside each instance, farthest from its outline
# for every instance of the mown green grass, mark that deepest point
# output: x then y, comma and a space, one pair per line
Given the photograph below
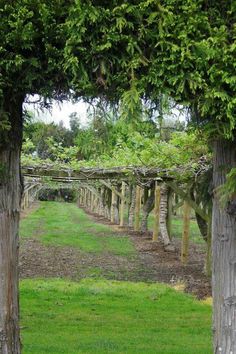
62, 317
65, 224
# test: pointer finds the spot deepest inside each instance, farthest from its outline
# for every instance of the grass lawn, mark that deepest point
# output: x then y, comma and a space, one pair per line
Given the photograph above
101, 316
64, 224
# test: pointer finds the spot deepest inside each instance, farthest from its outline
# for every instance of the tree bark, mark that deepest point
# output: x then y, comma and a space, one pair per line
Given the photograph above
137, 208
122, 204
132, 206
10, 195
185, 234
163, 215
157, 205
147, 208
203, 226
223, 254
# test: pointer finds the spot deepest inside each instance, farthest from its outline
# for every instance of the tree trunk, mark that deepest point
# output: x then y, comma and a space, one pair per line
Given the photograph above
132, 206
147, 208
185, 233
163, 215
203, 226
224, 254
10, 195
122, 204
137, 208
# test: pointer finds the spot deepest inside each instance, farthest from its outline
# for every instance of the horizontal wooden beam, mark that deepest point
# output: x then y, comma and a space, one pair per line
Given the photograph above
118, 173
112, 188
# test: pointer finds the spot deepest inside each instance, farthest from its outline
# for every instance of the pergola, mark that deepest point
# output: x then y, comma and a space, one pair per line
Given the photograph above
107, 191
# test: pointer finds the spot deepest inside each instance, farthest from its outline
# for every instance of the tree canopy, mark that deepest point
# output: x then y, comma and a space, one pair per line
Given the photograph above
124, 50
142, 48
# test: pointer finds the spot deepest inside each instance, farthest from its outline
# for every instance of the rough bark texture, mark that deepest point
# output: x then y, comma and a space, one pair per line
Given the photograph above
202, 225
185, 234
163, 215
224, 255
137, 208
10, 194
107, 203
147, 208
132, 206
122, 204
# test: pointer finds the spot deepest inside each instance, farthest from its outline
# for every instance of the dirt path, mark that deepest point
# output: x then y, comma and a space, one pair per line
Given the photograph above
151, 263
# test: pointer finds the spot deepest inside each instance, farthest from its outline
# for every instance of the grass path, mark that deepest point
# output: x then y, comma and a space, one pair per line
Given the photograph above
111, 317
66, 225
95, 315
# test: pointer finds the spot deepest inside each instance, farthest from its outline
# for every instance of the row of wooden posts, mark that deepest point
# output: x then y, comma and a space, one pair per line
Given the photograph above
110, 201
94, 198
29, 195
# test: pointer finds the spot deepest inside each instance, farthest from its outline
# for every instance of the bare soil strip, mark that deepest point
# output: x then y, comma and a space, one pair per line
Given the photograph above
151, 263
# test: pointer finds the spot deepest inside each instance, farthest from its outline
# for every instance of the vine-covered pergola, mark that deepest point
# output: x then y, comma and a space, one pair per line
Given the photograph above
122, 50
109, 191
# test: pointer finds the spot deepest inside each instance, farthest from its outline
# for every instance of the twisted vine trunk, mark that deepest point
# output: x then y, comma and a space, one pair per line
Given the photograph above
163, 215
147, 208
10, 195
132, 206
224, 254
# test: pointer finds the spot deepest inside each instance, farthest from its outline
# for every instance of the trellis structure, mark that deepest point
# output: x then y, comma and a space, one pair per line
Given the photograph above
31, 190
109, 191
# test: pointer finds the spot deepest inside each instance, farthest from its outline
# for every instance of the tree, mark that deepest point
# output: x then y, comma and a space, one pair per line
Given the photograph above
31, 47
75, 124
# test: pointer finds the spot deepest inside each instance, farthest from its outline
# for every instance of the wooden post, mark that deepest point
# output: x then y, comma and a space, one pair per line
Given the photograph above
89, 200
156, 212
185, 235
81, 202
83, 197
122, 204
131, 205
169, 212
79, 197
86, 198
145, 195
93, 202
27, 198
101, 204
113, 201
209, 250
137, 209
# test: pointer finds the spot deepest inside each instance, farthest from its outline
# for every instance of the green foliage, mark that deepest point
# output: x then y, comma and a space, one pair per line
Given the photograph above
182, 48
48, 140
227, 191
147, 318
182, 152
28, 147
31, 47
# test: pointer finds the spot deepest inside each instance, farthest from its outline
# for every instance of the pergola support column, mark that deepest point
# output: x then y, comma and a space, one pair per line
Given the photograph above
185, 235
137, 209
157, 201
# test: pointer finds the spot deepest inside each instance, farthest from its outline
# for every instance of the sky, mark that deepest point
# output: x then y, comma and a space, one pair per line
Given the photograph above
59, 111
